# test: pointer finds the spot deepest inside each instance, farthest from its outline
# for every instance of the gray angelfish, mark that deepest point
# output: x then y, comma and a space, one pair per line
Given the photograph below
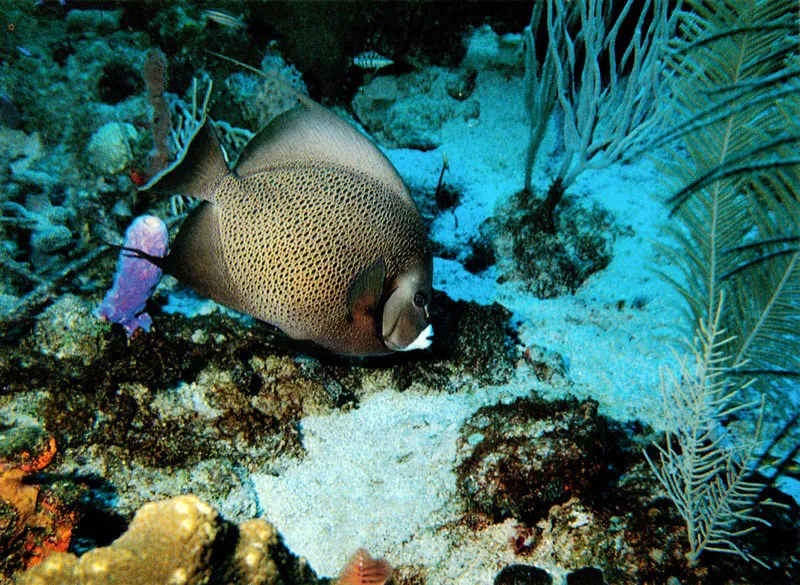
313, 231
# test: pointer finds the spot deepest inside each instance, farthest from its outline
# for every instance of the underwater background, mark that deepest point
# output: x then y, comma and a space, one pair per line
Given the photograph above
611, 395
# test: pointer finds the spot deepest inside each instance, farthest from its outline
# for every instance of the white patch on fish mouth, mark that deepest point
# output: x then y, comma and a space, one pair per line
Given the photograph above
423, 340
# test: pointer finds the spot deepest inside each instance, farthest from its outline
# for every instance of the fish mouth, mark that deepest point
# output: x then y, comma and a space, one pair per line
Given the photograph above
423, 340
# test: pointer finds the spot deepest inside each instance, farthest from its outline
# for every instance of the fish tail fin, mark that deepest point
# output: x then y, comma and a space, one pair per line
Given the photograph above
162, 262
198, 168
157, 261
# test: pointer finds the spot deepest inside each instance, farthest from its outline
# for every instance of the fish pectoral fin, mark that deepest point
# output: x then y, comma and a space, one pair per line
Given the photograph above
197, 169
366, 289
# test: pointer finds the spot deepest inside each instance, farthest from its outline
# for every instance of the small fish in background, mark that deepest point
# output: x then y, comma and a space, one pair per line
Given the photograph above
136, 278
371, 60
362, 569
223, 18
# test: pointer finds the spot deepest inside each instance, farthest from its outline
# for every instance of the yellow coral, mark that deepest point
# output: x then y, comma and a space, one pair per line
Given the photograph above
170, 542
167, 542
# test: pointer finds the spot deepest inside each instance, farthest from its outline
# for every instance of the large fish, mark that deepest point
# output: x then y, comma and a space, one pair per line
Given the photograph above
313, 231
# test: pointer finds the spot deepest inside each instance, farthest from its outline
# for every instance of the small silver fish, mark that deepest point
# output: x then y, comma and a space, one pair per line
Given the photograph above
225, 19
371, 60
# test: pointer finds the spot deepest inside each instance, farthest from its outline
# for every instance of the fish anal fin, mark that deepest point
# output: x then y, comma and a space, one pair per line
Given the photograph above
197, 169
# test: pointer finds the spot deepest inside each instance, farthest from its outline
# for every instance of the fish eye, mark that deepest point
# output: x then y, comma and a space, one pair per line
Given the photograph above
420, 299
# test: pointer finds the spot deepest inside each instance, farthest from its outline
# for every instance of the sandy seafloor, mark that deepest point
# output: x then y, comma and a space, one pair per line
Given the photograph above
382, 475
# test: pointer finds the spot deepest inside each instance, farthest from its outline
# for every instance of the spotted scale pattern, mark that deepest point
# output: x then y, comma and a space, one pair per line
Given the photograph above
296, 235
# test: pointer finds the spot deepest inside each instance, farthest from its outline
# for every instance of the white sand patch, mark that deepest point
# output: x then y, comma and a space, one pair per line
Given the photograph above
617, 330
376, 477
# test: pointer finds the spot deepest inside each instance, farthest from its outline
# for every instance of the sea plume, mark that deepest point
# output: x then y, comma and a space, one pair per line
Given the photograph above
362, 569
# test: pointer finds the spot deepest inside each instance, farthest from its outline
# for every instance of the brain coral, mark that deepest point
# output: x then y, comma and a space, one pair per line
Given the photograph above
181, 541
167, 542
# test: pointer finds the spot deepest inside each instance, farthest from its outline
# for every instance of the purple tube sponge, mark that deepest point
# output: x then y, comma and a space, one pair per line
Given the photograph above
136, 278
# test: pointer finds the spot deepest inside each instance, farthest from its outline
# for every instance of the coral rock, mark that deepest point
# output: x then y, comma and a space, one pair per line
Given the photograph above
180, 541
59, 568
550, 263
36, 519
109, 149
67, 331
167, 542
409, 111
252, 560
485, 49
524, 457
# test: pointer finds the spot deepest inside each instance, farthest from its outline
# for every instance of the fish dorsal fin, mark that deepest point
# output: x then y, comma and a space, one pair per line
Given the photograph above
310, 133
366, 289
197, 170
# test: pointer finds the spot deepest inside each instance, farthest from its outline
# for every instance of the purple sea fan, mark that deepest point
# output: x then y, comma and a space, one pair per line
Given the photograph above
136, 278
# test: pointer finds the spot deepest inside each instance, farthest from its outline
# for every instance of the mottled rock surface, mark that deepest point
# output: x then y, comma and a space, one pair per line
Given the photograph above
552, 263
588, 509
522, 458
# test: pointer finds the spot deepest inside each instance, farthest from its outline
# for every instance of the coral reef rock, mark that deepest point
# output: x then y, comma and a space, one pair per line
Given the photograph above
109, 148
524, 457
485, 49
180, 540
260, 99
37, 518
628, 537
69, 332
167, 542
552, 264
408, 111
